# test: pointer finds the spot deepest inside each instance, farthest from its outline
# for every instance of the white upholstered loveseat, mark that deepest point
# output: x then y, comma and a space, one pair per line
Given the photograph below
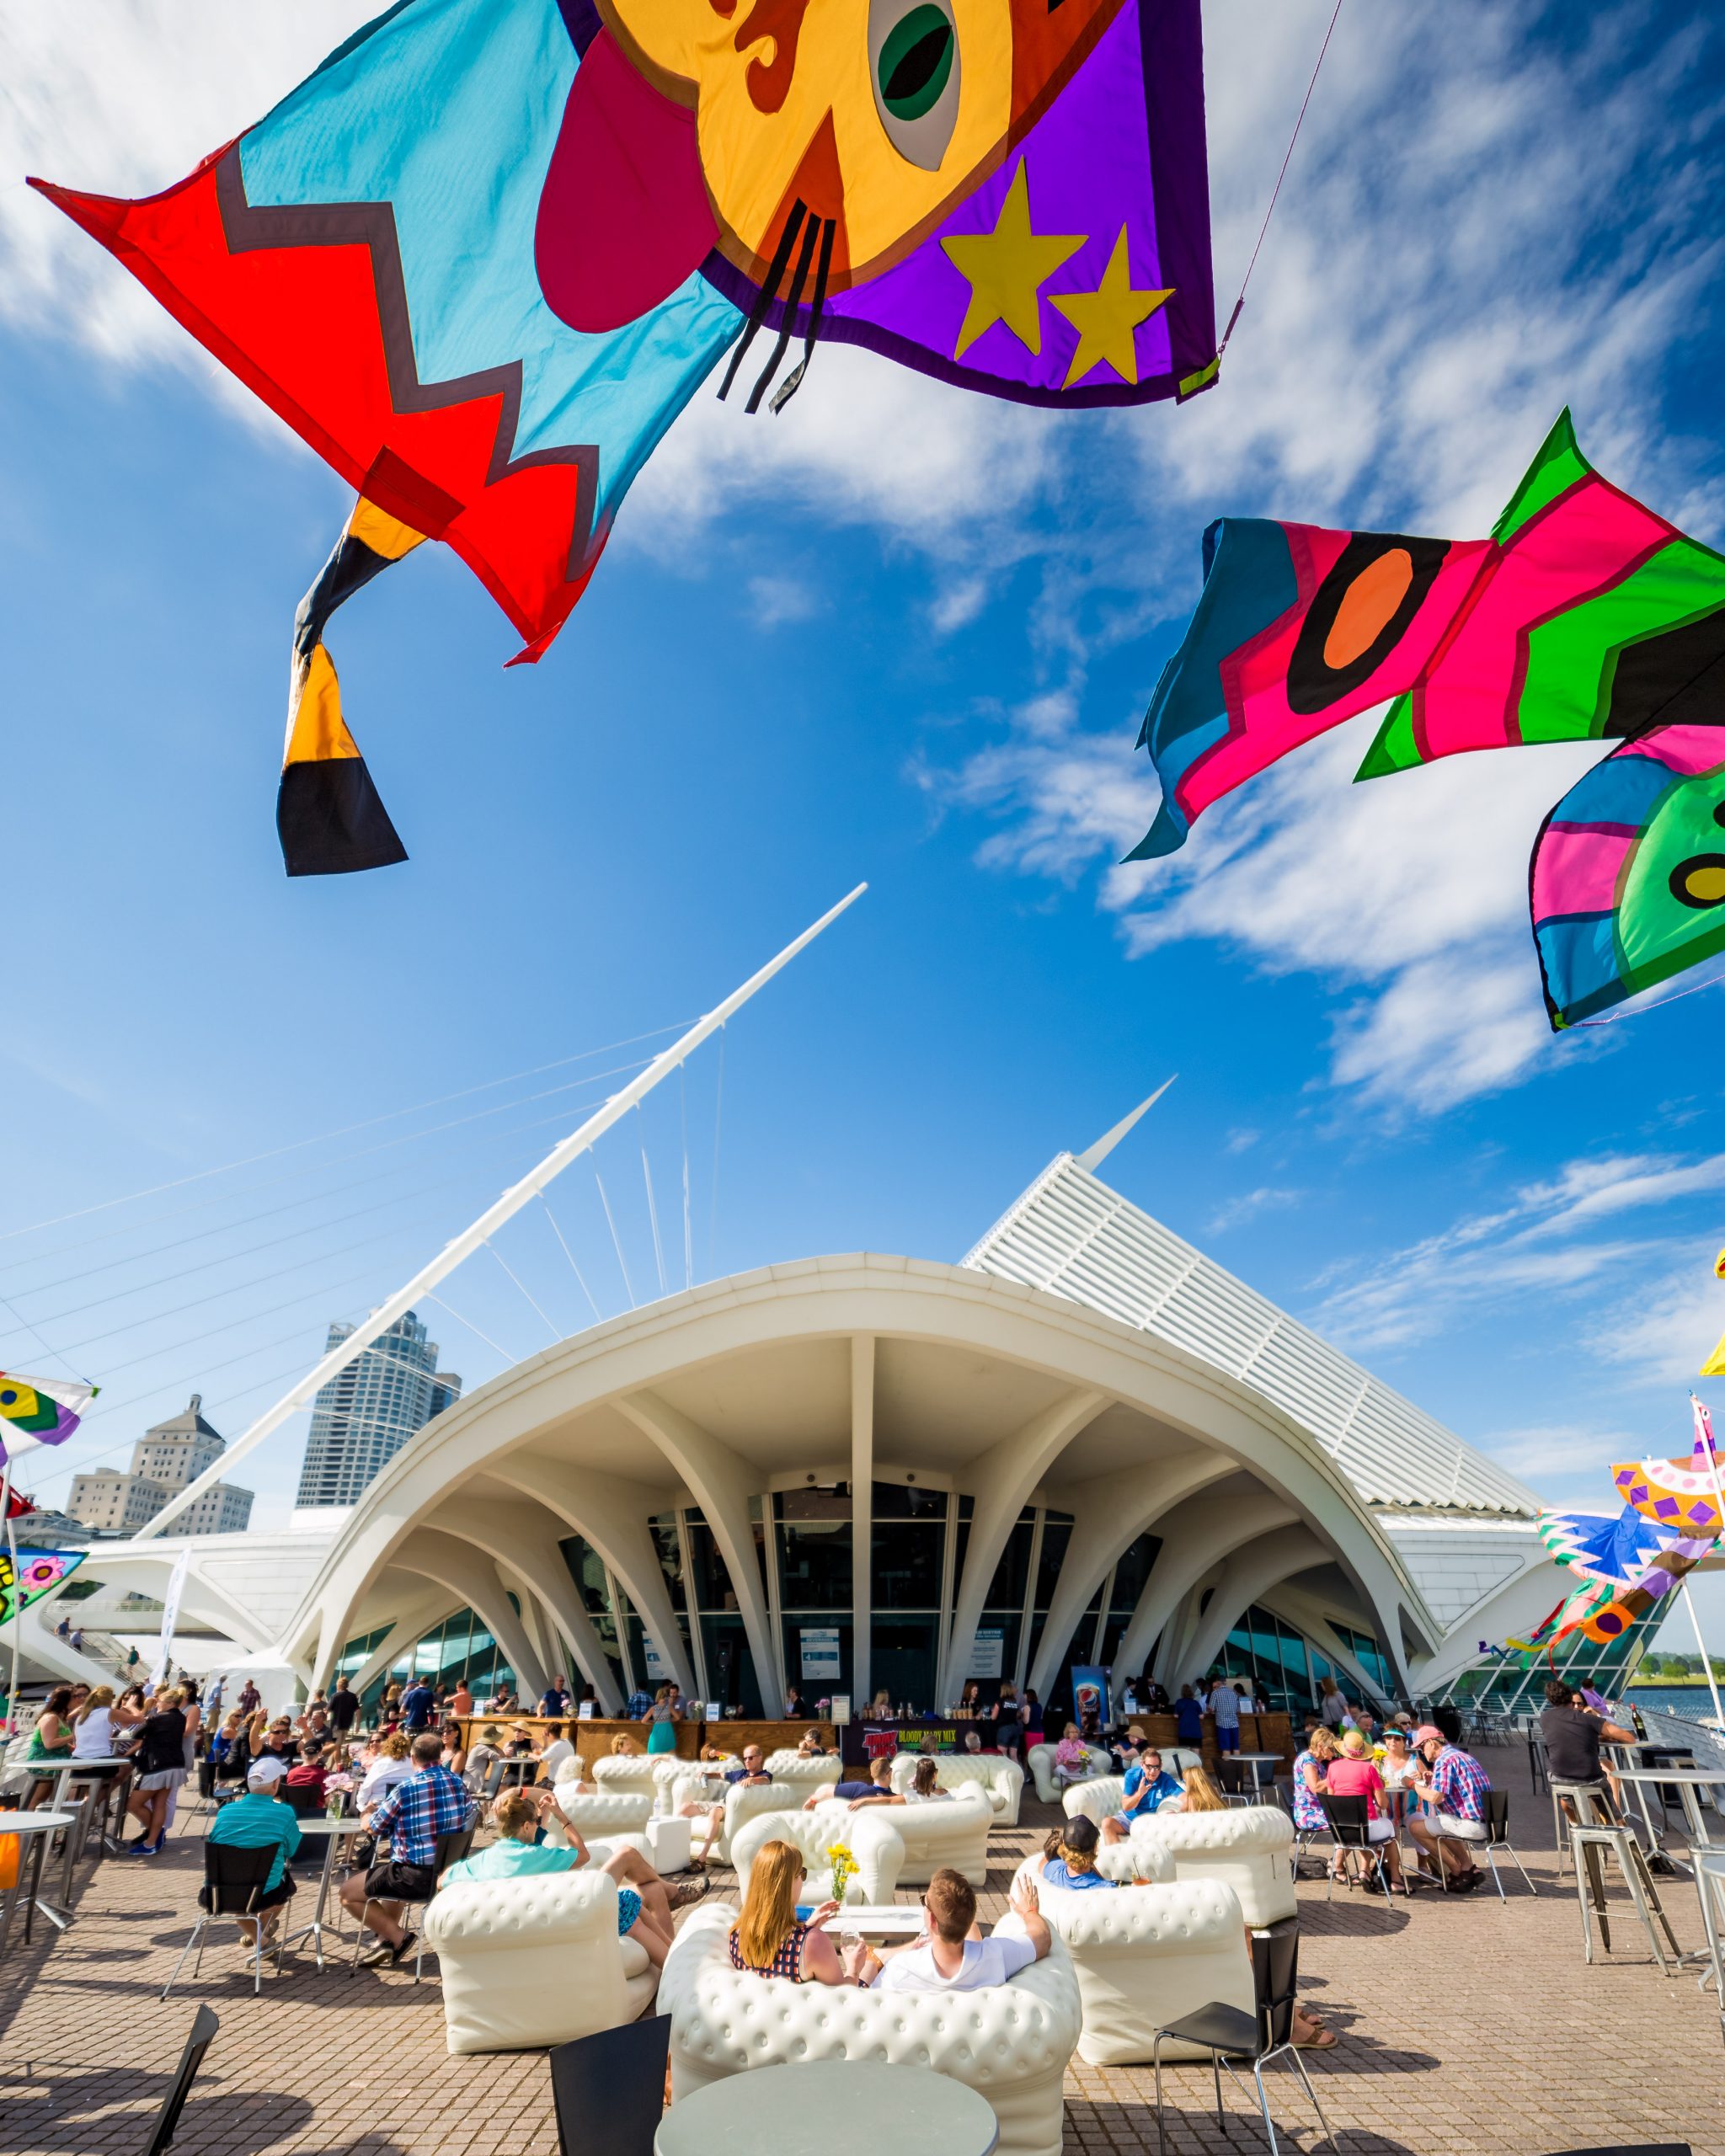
531, 1961
669, 1770
1104, 1795
606, 1822
1248, 1849
1010, 2043
808, 1773
870, 1835
1041, 1760
624, 1774
1003, 1778
742, 1801
950, 1832
1145, 1955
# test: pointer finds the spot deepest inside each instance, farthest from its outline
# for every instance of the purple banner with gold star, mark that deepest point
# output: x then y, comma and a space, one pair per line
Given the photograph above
1078, 273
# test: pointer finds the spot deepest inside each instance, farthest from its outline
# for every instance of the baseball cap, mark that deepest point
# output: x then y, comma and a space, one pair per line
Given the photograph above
1429, 1733
265, 1773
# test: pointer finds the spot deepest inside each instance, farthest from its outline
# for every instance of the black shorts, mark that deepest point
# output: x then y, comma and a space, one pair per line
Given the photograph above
401, 1882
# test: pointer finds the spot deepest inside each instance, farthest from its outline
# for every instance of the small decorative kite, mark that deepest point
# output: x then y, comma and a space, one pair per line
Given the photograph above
1584, 617
485, 255
39, 1411
38, 1570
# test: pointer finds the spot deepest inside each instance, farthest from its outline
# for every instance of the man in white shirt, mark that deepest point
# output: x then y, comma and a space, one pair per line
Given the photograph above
953, 1955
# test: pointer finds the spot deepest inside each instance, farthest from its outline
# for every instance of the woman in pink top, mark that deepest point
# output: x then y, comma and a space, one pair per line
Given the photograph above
1355, 1775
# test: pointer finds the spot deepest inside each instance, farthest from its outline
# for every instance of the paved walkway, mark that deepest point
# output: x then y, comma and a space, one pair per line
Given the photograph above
1465, 2027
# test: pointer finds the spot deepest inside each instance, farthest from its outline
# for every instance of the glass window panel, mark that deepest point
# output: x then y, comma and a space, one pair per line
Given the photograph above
712, 1583
1012, 1575
907, 1565
905, 1501
814, 1561
1131, 1574
903, 1652
817, 1687
730, 1666
663, 1531
587, 1570
1056, 1533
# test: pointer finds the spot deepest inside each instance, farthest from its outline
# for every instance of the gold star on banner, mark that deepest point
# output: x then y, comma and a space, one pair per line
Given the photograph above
1007, 267
1107, 319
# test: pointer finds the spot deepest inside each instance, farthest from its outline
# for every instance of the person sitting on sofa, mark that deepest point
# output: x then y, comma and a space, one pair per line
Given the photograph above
873, 1788
1071, 1757
1068, 1855
811, 1746
1198, 1793
953, 1955
643, 1904
1149, 1787
753, 1769
925, 1787
769, 1939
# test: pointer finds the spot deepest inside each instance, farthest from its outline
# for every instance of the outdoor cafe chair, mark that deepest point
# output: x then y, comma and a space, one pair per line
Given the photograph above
233, 1879
1349, 1830
452, 1848
1227, 2034
167, 2120
1497, 1837
1710, 1884
608, 2088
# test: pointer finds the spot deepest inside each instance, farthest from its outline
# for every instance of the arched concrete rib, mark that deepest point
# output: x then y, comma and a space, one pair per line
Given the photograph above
519, 1537
479, 1584
1003, 1478
612, 1515
427, 1606
1109, 1515
720, 1483
1197, 1535
1250, 1572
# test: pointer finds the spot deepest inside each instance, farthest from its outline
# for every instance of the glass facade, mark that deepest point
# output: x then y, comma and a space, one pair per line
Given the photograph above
804, 1543
1515, 1684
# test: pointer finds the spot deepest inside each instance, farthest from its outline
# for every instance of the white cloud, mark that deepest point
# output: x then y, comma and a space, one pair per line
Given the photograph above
1235, 1212
1668, 1329
1559, 1452
775, 599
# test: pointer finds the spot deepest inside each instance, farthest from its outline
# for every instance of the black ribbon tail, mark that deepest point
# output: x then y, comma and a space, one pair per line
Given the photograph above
763, 298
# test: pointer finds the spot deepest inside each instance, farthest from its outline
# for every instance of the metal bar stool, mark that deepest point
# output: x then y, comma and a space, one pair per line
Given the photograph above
1592, 1839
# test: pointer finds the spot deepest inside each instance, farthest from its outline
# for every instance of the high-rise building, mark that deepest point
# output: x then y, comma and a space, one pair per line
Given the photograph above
367, 1412
168, 1456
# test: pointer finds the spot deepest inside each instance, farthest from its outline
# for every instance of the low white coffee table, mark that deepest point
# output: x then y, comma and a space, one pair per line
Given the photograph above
885, 1919
670, 1841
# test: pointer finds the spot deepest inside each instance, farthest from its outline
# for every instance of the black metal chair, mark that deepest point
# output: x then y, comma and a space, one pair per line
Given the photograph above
609, 2088
1497, 1837
1349, 1820
204, 2027
452, 1848
234, 1880
1226, 2033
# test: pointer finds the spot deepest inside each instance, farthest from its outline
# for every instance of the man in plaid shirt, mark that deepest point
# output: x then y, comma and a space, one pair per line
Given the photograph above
430, 1803
1455, 1787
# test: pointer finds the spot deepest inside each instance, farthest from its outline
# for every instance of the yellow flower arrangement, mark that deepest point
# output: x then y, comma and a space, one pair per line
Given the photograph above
845, 1868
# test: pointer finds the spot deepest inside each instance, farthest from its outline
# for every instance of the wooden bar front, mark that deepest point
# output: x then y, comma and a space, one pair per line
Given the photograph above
593, 1739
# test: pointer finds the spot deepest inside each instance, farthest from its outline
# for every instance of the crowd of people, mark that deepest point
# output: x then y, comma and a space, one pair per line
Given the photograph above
1411, 1778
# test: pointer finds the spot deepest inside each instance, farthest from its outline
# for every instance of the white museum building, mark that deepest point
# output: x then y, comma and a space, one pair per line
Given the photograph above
1084, 1444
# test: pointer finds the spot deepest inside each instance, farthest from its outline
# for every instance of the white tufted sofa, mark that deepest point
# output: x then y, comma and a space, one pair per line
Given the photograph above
624, 1775
668, 1772
531, 1961
1003, 1778
1144, 1956
1248, 1849
870, 1835
793, 1766
742, 1801
1041, 1760
1100, 1798
614, 1821
1010, 2043
953, 1835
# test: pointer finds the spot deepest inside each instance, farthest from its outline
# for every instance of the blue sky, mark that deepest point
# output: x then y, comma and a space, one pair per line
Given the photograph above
900, 634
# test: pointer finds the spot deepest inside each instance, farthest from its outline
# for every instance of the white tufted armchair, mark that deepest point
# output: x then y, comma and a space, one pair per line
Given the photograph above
605, 1822
1010, 2043
870, 1836
1041, 1760
938, 1835
526, 1962
1146, 1955
1248, 1849
669, 1771
793, 1766
1003, 1778
624, 1774
742, 1801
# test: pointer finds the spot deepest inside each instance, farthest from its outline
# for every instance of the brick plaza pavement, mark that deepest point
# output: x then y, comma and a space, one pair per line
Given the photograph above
1464, 2027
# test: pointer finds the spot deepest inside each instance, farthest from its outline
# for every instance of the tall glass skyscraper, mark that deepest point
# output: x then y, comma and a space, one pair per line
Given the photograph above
366, 1413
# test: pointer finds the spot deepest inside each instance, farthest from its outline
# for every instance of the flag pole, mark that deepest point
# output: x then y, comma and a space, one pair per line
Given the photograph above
1704, 1432
17, 1597
463, 1246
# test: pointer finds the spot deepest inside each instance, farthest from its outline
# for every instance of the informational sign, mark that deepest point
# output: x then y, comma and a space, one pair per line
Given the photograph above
584, 1711
656, 1661
820, 1650
838, 1709
985, 1655
715, 1710
1090, 1694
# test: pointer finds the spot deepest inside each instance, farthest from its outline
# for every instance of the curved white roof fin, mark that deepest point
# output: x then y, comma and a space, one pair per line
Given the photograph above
1094, 1155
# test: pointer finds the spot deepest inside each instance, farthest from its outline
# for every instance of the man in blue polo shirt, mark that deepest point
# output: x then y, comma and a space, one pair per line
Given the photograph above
1148, 1788
260, 1820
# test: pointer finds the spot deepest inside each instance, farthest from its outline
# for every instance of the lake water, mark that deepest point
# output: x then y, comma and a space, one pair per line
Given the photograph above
1691, 1701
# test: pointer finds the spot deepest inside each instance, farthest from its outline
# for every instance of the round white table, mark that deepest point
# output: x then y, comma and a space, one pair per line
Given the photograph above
28, 1825
317, 1827
830, 2107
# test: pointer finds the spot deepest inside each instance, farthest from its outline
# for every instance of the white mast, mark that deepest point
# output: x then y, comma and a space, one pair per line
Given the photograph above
464, 1245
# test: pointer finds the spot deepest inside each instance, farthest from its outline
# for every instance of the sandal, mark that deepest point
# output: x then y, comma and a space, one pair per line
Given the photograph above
1324, 2041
